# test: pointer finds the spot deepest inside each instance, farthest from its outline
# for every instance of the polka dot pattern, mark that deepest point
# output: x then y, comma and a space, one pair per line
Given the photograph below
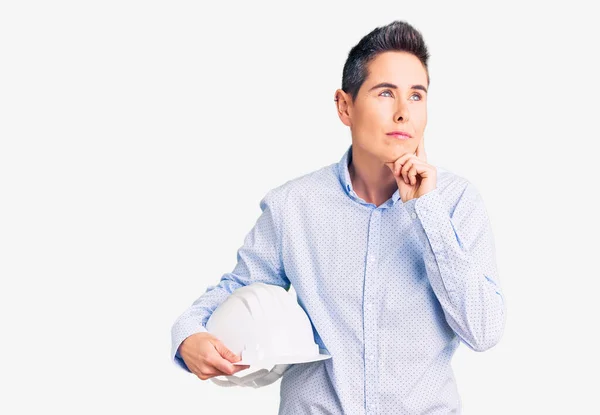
391, 290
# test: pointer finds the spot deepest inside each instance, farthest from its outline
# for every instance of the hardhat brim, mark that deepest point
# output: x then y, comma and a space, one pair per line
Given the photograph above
289, 359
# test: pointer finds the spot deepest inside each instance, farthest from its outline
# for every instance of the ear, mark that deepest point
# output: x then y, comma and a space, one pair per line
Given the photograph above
343, 104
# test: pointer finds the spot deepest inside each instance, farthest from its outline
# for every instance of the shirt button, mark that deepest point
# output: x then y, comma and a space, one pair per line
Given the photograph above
371, 258
413, 215
371, 357
368, 306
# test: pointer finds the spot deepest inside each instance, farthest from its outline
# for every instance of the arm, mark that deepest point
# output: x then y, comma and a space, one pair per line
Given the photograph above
460, 262
258, 260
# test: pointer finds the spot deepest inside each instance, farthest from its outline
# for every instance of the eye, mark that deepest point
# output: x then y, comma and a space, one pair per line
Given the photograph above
391, 95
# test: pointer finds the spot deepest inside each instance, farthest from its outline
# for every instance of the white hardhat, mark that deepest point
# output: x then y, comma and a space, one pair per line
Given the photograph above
266, 326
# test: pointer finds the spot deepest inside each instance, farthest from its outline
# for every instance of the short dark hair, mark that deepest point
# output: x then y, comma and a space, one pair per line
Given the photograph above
397, 36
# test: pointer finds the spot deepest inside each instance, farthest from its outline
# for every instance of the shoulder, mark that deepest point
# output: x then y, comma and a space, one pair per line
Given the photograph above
455, 189
449, 182
307, 185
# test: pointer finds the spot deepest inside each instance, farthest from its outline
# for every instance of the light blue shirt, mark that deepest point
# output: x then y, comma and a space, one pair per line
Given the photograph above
390, 290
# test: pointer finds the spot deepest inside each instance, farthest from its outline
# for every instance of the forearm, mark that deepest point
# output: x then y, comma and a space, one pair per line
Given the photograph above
459, 257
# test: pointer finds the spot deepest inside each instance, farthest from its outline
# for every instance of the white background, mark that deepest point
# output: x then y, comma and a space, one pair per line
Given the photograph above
138, 137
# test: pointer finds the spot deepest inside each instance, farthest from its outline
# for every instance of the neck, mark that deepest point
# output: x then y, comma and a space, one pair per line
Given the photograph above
372, 180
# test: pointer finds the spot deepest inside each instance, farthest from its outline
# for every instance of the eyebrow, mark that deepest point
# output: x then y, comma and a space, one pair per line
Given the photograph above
389, 85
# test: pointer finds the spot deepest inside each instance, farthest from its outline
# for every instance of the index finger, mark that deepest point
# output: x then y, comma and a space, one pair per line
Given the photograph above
421, 149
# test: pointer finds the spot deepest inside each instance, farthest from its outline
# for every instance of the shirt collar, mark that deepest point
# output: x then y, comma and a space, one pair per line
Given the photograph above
344, 176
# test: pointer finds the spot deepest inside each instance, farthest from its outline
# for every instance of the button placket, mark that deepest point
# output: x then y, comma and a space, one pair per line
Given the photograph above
370, 317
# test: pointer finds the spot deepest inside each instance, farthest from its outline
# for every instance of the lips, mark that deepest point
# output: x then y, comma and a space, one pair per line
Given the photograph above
400, 134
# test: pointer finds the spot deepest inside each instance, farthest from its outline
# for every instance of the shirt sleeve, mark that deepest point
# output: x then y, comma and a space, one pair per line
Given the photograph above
460, 261
258, 260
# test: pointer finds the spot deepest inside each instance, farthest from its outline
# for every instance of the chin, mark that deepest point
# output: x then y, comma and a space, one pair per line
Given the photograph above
398, 151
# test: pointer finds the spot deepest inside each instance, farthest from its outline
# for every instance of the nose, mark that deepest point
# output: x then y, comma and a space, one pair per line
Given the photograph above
401, 114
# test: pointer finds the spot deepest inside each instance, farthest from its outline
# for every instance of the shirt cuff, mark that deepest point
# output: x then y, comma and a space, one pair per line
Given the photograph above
426, 208
182, 330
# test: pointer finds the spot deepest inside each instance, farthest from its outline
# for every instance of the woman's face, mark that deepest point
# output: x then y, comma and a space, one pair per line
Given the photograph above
392, 98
